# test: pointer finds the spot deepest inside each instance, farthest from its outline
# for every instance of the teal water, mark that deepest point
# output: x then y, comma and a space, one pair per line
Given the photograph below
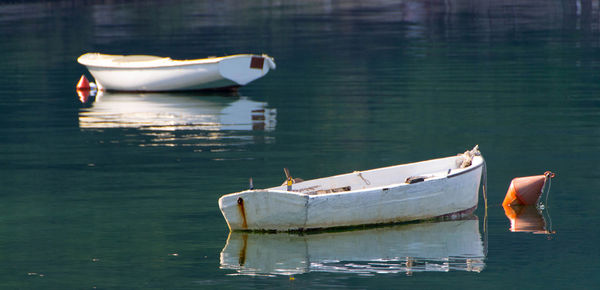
112, 196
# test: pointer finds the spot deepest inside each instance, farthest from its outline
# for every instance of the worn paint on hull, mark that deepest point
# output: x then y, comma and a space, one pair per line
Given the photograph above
242, 210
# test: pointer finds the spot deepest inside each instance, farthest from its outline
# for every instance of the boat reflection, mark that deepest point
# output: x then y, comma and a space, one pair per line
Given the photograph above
526, 218
422, 247
171, 112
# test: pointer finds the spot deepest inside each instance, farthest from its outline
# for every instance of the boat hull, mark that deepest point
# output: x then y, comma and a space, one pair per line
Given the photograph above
164, 74
442, 194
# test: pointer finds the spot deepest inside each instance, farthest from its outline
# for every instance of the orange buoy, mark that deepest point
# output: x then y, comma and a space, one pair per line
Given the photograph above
526, 190
83, 84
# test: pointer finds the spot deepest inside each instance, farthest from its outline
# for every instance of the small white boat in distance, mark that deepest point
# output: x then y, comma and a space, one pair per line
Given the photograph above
147, 73
409, 192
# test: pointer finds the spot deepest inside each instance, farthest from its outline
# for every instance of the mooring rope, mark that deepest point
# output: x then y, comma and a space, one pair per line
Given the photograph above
549, 175
545, 206
485, 233
485, 185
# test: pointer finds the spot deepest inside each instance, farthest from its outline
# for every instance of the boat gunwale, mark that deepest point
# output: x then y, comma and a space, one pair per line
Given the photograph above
377, 188
166, 62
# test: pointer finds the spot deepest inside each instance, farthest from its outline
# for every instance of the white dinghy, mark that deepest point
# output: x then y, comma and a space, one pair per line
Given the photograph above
409, 192
158, 74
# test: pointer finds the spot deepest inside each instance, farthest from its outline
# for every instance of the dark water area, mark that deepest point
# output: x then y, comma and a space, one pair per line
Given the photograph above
122, 192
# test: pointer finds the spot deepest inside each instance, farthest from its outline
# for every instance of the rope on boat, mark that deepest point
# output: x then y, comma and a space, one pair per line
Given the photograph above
468, 156
365, 180
466, 162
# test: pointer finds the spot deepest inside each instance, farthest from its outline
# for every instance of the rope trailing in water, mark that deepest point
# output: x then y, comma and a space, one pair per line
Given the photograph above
485, 233
485, 185
545, 206
549, 175
466, 162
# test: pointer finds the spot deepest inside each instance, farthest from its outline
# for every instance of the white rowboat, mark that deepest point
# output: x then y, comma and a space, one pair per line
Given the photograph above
155, 74
409, 192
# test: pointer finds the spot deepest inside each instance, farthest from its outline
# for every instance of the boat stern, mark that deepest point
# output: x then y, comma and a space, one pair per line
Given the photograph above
263, 210
242, 69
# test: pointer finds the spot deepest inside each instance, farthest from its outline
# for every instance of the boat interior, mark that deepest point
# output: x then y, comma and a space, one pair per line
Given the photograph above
381, 177
136, 58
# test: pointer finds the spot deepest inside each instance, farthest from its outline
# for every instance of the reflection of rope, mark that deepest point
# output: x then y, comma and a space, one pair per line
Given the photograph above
548, 207
545, 207
366, 181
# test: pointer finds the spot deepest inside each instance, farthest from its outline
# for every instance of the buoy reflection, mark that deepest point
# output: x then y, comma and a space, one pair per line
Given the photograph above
526, 218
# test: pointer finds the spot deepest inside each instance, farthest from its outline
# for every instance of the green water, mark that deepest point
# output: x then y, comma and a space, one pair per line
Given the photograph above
131, 202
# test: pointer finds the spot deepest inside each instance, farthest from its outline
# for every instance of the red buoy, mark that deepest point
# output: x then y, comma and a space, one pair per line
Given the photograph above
526, 190
83, 84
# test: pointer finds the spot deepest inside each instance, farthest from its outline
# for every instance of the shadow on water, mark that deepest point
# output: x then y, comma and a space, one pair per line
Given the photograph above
439, 246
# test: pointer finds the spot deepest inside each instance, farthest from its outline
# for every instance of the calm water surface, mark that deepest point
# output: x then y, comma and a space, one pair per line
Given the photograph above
121, 191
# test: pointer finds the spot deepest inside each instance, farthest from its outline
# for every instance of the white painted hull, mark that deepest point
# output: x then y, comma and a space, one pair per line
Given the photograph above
377, 196
156, 74
421, 247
